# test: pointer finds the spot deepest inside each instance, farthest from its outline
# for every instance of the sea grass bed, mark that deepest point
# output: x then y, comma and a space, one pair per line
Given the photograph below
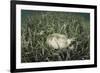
37, 25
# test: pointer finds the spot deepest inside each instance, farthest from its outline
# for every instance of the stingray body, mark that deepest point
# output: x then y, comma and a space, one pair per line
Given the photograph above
58, 41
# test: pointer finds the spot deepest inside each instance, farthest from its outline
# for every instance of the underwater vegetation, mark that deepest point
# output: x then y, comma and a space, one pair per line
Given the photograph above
47, 36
